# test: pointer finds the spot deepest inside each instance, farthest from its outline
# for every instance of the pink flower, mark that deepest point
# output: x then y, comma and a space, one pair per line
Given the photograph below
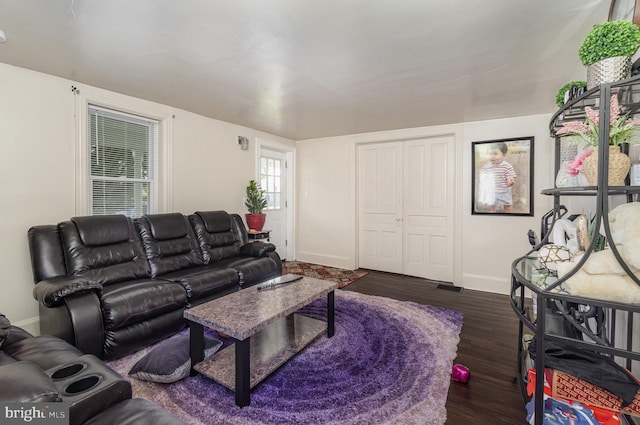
614, 110
574, 167
592, 115
574, 127
621, 128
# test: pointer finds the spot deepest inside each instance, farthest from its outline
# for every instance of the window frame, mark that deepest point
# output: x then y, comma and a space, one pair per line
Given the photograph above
86, 97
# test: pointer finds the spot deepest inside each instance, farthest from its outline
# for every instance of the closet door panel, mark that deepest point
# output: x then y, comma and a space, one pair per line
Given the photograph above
380, 206
428, 208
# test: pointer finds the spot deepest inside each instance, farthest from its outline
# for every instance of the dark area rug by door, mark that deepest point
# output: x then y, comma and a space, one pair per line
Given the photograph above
388, 363
343, 276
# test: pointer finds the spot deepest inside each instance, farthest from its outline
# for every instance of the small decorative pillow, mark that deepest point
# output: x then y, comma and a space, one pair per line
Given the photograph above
170, 361
5, 328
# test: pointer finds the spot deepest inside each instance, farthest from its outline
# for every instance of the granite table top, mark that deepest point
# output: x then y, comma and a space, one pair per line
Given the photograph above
246, 312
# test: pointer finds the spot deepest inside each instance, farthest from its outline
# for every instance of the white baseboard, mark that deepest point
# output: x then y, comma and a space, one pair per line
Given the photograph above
326, 260
31, 325
485, 283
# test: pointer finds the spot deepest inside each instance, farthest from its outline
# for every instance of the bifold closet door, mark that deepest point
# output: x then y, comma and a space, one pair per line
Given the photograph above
429, 185
405, 199
380, 206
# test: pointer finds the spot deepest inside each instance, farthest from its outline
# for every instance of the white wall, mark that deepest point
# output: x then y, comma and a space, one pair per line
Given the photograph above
489, 244
38, 183
485, 245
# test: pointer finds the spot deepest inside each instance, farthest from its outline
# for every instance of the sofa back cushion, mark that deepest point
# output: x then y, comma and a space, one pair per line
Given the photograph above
47, 256
169, 242
216, 235
104, 248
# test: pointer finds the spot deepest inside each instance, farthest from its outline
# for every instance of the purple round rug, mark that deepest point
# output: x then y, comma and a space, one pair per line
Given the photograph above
389, 362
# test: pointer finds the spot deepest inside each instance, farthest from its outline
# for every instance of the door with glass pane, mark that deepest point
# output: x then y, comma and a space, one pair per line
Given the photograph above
273, 182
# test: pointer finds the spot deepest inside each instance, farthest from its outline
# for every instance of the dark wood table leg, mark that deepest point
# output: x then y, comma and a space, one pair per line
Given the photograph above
243, 373
331, 324
196, 345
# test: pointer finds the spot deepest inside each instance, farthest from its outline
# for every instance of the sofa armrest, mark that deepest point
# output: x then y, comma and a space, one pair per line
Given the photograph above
25, 382
257, 249
51, 292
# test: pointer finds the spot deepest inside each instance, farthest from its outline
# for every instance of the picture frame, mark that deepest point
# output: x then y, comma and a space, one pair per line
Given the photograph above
502, 177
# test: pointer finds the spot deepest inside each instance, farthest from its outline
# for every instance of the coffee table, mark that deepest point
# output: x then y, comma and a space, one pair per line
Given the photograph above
267, 332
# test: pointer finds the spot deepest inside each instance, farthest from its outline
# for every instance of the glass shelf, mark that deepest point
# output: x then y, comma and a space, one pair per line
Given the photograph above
529, 272
591, 190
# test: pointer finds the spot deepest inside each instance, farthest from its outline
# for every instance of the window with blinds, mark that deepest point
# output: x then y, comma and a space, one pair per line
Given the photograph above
271, 181
122, 162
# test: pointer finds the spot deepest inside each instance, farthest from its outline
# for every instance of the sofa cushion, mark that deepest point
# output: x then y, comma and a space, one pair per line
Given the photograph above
25, 382
170, 361
5, 358
16, 334
215, 221
204, 280
46, 351
107, 262
97, 230
123, 341
167, 226
168, 242
253, 269
216, 236
5, 328
126, 303
137, 411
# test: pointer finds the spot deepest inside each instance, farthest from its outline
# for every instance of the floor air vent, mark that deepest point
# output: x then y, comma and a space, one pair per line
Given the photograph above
450, 287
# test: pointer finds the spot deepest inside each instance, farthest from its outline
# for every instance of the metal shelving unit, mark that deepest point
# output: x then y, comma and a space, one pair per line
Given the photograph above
587, 323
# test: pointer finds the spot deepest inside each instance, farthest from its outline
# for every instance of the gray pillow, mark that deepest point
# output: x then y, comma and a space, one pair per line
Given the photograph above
169, 361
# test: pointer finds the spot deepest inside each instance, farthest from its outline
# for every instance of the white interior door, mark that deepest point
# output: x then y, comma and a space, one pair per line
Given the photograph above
405, 200
428, 208
380, 206
273, 180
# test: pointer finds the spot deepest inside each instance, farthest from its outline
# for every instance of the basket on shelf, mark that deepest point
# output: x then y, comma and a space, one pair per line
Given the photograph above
619, 165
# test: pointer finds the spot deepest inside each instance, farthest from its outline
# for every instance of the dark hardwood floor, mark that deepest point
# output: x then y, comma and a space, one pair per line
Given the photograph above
487, 347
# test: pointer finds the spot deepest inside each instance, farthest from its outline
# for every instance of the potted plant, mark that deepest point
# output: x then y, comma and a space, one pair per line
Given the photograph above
255, 201
570, 91
606, 51
621, 130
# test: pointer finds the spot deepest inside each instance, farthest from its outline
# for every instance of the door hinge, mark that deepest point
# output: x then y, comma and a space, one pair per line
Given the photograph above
286, 204
286, 164
286, 242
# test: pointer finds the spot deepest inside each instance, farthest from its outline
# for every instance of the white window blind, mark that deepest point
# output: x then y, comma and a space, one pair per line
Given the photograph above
122, 162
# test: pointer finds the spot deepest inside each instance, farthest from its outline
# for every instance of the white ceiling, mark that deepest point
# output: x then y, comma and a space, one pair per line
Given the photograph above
312, 68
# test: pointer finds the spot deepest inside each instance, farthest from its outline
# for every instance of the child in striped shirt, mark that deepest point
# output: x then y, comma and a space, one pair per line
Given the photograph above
496, 178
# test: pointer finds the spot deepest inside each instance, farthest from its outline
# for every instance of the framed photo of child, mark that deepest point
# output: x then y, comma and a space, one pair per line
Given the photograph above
502, 177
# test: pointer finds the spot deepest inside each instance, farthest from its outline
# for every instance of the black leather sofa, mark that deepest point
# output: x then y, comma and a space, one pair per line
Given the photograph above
111, 285
46, 369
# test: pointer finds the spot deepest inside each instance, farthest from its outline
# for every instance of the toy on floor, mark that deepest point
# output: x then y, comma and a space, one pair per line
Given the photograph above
460, 373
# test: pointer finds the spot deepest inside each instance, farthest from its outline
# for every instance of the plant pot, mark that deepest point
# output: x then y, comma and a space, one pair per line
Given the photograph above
619, 165
608, 70
255, 221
